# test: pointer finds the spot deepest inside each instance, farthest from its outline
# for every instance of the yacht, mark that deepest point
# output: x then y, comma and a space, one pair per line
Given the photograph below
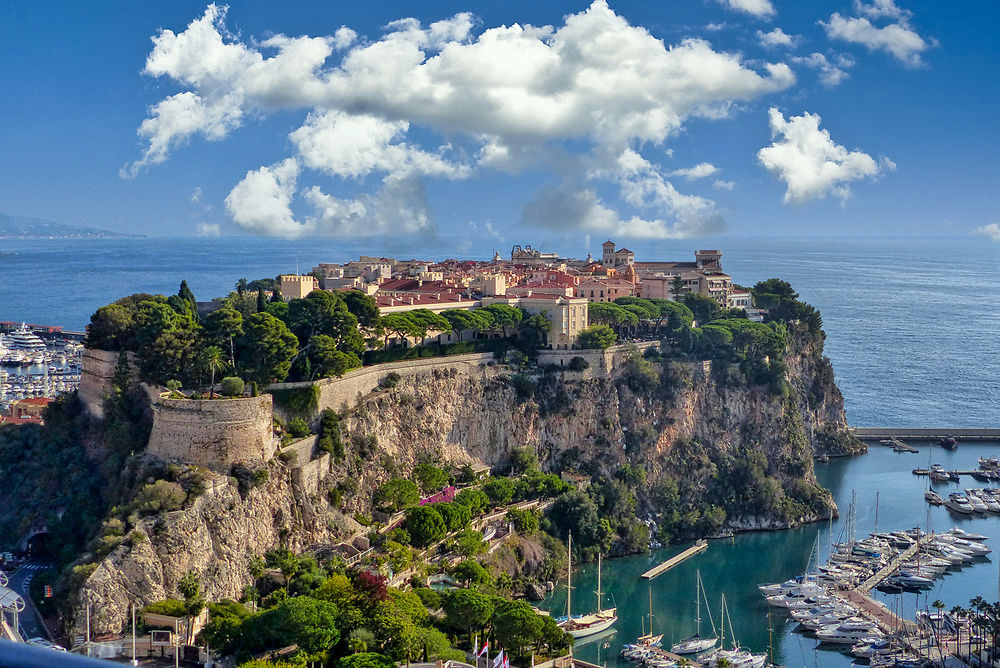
907, 580
959, 503
962, 533
582, 626
849, 632
933, 498
696, 643
991, 463
24, 339
977, 504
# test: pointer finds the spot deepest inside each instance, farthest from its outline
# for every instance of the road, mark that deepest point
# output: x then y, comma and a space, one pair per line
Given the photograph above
30, 622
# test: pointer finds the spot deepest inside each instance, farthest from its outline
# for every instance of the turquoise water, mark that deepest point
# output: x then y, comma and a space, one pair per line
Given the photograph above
736, 566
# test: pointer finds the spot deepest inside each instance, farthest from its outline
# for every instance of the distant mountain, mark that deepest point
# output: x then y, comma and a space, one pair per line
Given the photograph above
18, 227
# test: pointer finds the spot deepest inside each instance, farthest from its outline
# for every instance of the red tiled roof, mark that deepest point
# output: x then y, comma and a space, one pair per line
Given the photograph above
28, 419
35, 401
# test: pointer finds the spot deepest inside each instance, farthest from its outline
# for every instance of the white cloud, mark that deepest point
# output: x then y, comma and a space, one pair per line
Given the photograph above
509, 98
898, 39
831, 72
208, 229
262, 201
719, 184
810, 163
196, 195
881, 8
778, 37
699, 171
760, 8
992, 231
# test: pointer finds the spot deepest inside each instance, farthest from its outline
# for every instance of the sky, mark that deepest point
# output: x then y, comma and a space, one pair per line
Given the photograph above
628, 119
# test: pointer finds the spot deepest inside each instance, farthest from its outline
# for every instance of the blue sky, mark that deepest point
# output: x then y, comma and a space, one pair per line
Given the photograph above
626, 119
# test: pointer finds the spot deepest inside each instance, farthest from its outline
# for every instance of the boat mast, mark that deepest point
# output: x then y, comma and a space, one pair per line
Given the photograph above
598, 592
569, 577
722, 622
650, 608
697, 602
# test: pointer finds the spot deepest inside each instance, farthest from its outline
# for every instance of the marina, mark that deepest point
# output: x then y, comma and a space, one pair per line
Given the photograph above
736, 566
32, 366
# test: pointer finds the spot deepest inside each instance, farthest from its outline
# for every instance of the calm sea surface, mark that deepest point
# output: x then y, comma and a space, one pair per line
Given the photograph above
912, 328
912, 323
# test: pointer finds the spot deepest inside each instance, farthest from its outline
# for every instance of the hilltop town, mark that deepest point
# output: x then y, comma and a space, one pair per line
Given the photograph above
533, 281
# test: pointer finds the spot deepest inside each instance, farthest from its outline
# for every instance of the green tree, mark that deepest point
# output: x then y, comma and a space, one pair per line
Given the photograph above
425, 525
225, 620
365, 660
505, 317
261, 302
596, 336
535, 329
231, 386
705, 309
471, 572
266, 349
323, 312
475, 499
429, 477
110, 328
525, 521
396, 494
241, 286
222, 327
212, 357
455, 515
468, 609
677, 288
470, 543
187, 295
516, 626
499, 491
364, 308
327, 360
523, 459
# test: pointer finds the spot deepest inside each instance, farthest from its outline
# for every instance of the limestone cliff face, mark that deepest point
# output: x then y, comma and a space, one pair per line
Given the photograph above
215, 538
688, 422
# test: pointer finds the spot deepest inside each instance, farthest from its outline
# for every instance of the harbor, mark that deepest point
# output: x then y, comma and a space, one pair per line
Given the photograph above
699, 546
736, 566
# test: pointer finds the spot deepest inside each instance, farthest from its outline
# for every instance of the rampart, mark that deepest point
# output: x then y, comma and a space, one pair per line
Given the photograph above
97, 378
601, 362
215, 433
335, 392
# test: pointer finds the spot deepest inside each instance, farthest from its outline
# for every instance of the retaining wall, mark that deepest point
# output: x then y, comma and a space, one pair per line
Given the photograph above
97, 378
215, 433
334, 392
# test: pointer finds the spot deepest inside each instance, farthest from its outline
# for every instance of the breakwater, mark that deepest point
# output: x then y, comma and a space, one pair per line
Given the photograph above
927, 434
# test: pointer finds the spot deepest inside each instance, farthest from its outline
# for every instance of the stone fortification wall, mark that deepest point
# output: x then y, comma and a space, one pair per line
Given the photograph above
335, 392
97, 378
602, 362
215, 433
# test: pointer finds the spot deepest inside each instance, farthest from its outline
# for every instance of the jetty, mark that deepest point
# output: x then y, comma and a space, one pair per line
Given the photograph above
700, 546
932, 434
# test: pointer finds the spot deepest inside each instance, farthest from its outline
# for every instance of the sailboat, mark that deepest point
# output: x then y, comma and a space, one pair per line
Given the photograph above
696, 643
585, 625
735, 657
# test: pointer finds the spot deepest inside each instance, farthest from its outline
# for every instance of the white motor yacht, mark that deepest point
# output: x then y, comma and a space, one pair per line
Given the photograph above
959, 503
962, 533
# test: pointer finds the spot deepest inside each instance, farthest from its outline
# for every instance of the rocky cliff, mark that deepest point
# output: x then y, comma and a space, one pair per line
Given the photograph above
712, 448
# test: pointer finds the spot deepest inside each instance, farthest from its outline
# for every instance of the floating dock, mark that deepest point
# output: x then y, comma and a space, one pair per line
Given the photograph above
700, 546
872, 433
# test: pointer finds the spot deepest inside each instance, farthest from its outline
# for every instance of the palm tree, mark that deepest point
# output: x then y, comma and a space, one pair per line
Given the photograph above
958, 612
936, 627
241, 286
214, 360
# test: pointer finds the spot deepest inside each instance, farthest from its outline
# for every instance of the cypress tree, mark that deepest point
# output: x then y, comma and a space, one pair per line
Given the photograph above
261, 302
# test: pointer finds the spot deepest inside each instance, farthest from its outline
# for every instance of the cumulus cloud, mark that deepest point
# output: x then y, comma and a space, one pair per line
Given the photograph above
992, 231
897, 38
832, 71
699, 171
760, 8
778, 37
810, 163
508, 98
720, 184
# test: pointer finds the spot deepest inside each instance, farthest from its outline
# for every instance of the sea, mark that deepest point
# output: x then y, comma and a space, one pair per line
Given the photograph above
912, 330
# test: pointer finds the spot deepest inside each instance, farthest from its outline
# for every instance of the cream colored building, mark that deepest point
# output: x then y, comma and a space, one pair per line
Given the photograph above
568, 315
294, 286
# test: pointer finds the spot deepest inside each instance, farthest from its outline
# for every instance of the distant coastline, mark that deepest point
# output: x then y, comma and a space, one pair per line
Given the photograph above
19, 227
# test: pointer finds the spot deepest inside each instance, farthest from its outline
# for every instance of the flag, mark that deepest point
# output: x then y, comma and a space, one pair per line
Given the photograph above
506, 662
475, 647
486, 646
498, 661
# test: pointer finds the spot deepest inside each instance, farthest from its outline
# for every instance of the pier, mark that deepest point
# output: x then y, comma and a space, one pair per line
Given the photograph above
931, 434
700, 546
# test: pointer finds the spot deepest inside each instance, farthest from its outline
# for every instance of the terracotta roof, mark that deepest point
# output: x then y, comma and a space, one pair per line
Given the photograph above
35, 401
28, 419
